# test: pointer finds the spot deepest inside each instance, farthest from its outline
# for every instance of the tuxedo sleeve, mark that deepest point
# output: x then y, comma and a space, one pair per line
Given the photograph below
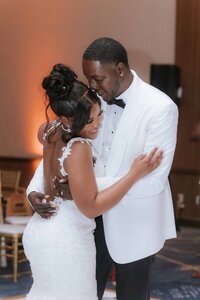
161, 132
37, 182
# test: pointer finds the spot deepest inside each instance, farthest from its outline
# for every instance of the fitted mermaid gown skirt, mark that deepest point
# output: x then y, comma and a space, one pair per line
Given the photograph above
62, 254
61, 250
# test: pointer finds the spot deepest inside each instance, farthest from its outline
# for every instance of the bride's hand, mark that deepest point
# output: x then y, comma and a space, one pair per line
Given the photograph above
144, 164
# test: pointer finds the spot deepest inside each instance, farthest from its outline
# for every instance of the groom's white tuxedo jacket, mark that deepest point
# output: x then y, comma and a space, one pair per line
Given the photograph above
141, 222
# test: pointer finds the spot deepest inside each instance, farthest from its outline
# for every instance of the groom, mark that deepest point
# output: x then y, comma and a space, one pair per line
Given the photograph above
138, 226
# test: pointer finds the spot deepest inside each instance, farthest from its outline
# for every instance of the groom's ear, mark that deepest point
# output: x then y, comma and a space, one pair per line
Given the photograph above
121, 69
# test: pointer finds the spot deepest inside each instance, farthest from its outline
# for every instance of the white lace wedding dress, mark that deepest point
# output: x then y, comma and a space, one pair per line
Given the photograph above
61, 250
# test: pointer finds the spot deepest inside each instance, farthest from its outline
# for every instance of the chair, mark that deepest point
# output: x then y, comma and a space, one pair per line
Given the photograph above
18, 205
10, 181
15, 204
11, 235
18, 210
1, 205
11, 247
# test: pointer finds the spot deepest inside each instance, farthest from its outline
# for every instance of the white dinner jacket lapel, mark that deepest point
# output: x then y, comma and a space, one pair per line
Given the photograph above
124, 130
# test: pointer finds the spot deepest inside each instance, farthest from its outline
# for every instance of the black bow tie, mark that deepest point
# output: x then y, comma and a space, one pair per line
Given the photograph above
118, 102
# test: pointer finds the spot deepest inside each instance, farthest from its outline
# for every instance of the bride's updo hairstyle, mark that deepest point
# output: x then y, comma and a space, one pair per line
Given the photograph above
69, 97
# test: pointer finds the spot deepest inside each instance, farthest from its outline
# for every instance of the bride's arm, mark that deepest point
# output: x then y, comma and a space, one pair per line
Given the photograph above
82, 181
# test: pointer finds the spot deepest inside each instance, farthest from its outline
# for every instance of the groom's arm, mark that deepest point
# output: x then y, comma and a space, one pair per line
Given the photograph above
36, 196
37, 182
161, 133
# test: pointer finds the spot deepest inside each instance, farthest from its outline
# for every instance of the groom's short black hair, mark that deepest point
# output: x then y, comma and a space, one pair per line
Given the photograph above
106, 50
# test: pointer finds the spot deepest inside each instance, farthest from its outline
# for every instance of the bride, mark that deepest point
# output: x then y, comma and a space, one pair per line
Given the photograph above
61, 249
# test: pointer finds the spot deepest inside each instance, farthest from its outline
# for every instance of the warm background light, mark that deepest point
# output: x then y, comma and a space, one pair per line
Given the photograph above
37, 34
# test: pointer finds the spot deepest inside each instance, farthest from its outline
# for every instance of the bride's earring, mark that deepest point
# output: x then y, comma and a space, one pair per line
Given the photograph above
68, 129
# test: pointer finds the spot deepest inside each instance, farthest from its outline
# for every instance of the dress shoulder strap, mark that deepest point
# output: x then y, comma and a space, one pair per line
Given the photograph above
66, 151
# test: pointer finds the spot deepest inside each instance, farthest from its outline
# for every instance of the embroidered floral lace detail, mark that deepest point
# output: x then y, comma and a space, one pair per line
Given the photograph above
67, 151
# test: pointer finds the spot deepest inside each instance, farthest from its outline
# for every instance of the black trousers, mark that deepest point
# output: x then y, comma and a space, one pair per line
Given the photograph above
132, 279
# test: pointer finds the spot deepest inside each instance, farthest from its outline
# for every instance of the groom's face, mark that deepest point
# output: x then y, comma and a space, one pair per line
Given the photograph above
103, 78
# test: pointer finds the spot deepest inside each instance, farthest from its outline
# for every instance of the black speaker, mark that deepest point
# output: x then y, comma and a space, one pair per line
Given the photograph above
167, 79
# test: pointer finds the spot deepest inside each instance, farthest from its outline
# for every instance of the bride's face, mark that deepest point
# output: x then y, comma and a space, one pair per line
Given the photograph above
90, 130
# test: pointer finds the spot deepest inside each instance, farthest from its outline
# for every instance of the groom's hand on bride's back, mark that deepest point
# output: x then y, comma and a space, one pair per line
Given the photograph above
42, 205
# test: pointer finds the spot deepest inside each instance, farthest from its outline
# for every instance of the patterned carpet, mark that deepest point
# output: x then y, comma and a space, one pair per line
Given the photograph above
174, 265
171, 271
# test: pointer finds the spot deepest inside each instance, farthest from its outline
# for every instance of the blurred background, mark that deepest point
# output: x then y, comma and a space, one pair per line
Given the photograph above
162, 39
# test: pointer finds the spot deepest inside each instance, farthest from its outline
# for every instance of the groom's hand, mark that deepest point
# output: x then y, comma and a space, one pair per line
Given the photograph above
40, 203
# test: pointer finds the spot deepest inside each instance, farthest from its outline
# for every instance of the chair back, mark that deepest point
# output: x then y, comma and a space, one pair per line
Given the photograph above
10, 179
17, 205
9, 182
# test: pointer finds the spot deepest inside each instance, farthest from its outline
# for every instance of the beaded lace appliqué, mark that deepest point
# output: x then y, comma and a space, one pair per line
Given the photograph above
67, 151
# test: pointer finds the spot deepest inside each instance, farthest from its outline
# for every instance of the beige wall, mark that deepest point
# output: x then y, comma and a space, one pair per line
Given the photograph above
37, 34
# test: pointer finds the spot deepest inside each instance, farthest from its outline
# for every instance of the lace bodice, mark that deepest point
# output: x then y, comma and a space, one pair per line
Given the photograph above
66, 151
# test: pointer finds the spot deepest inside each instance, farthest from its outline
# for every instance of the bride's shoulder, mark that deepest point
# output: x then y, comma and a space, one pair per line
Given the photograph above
77, 141
75, 144
41, 131
47, 131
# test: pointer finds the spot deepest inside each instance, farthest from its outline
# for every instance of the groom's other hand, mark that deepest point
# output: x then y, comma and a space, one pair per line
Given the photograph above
41, 204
